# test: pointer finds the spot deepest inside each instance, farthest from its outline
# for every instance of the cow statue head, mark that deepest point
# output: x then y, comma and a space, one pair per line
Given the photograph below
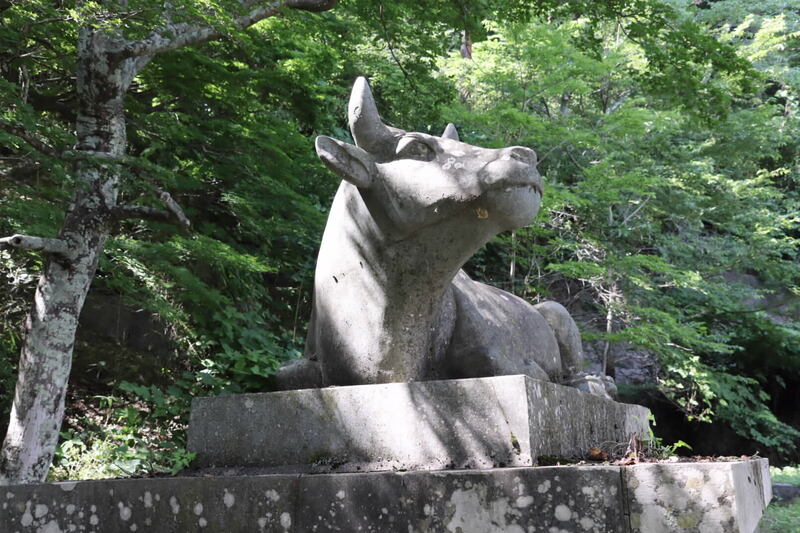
414, 180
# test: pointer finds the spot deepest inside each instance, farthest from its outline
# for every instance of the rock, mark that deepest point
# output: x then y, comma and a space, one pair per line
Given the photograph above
785, 492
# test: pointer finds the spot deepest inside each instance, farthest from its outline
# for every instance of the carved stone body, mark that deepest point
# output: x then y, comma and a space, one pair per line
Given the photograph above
390, 301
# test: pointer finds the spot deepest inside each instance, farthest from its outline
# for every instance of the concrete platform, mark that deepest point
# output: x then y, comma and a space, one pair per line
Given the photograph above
663, 498
469, 423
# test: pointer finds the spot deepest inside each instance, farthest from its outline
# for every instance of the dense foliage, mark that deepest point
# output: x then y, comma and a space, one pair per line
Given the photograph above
667, 134
677, 228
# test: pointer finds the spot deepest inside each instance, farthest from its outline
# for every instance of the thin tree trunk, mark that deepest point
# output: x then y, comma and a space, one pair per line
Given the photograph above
105, 68
608, 366
608, 360
46, 355
464, 93
466, 45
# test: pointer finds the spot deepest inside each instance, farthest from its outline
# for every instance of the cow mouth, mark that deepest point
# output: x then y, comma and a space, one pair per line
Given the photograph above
533, 181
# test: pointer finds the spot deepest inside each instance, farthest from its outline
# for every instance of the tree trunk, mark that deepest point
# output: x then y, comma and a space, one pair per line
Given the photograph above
106, 66
466, 45
46, 355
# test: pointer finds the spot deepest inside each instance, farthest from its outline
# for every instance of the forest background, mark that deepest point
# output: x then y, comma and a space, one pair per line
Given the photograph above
668, 134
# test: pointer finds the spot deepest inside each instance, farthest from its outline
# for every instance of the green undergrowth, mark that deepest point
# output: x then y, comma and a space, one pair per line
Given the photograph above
782, 517
787, 474
141, 432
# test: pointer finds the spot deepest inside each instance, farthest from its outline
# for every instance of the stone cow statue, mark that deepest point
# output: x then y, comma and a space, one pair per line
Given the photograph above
391, 303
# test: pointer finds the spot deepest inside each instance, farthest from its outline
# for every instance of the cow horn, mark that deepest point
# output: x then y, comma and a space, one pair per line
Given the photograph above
369, 131
450, 132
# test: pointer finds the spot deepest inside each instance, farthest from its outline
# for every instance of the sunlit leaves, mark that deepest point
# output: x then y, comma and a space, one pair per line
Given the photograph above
649, 209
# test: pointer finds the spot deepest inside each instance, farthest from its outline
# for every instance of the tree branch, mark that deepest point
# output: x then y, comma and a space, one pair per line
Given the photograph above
173, 213
388, 39
28, 137
621, 100
38, 244
175, 209
46, 149
122, 212
91, 154
178, 35
641, 205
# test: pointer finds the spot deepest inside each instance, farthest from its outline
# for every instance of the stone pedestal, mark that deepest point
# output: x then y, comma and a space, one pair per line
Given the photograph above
469, 423
712, 498
434, 430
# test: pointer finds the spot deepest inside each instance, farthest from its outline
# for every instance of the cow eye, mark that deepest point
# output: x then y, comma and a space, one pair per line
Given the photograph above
411, 148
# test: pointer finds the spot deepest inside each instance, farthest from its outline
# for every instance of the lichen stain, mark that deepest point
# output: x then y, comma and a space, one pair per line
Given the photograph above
27, 517
688, 520
124, 512
563, 513
286, 520
40, 510
173, 503
694, 482
51, 527
474, 513
523, 501
228, 499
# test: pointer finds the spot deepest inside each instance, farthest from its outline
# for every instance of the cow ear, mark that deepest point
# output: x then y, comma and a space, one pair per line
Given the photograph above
349, 162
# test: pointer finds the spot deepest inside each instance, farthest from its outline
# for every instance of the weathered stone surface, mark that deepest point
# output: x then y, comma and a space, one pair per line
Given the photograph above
178, 505
582, 499
469, 423
497, 333
512, 500
390, 301
697, 497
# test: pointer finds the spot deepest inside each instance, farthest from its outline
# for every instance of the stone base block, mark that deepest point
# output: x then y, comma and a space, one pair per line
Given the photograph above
469, 423
711, 498
698, 496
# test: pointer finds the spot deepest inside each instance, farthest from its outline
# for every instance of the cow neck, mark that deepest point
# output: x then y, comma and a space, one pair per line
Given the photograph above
385, 287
